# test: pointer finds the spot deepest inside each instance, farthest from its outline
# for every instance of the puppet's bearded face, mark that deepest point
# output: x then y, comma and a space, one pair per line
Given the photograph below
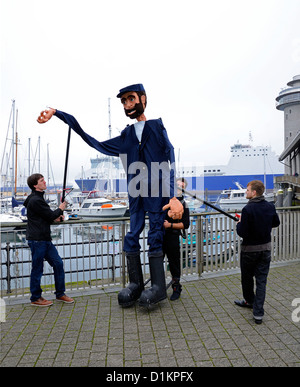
133, 106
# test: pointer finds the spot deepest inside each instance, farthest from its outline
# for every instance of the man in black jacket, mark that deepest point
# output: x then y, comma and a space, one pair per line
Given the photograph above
255, 226
38, 235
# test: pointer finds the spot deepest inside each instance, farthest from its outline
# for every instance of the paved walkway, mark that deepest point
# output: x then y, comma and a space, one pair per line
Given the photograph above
203, 328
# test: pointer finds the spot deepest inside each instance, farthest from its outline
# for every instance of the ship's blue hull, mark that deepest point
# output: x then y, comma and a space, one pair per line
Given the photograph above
212, 185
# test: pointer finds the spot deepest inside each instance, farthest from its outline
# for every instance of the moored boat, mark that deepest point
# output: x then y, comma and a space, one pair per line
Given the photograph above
94, 206
235, 199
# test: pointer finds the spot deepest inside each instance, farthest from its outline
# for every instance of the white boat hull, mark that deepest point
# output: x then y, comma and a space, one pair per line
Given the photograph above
9, 218
113, 212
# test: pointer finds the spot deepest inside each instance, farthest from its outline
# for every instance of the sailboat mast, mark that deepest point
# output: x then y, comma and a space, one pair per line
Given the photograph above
29, 145
13, 150
39, 153
48, 166
109, 121
265, 177
16, 162
110, 184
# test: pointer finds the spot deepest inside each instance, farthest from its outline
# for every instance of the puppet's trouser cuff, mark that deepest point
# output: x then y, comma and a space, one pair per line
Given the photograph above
157, 292
129, 295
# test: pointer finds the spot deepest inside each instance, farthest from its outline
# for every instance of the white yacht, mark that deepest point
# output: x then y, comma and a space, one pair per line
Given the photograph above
235, 199
94, 206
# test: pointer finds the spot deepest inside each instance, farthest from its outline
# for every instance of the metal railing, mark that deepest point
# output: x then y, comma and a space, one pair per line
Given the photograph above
92, 251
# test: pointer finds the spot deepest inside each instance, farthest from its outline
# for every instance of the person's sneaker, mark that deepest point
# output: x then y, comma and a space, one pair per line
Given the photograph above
41, 302
258, 320
66, 299
243, 304
177, 288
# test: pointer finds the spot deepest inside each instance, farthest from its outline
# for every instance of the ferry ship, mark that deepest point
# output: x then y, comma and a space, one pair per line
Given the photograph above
246, 163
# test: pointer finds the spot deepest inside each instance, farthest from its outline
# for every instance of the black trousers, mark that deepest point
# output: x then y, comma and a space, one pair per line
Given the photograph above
171, 249
255, 265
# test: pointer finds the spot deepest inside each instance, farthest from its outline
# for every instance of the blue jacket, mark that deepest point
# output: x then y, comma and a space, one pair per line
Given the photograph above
154, 147
258, 219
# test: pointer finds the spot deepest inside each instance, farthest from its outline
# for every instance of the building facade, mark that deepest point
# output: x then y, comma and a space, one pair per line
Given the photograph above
288, 101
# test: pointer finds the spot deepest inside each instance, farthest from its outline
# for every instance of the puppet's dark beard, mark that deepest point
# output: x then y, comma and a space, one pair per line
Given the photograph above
139, 110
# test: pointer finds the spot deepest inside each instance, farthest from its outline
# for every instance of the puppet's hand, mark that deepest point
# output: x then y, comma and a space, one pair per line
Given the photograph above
176, 208
45, 115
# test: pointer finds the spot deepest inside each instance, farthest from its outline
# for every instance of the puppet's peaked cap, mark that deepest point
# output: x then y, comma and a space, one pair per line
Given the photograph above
137, 87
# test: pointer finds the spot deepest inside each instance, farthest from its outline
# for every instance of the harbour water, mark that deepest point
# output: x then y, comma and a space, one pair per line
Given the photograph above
90, 251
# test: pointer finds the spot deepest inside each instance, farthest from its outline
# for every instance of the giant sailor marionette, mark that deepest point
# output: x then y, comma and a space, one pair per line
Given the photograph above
147, 154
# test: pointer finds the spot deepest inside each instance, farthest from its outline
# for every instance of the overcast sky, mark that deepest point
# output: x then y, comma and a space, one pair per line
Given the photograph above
211, 70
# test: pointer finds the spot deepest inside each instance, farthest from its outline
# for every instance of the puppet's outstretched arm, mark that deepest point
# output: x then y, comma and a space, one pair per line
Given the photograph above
109, 147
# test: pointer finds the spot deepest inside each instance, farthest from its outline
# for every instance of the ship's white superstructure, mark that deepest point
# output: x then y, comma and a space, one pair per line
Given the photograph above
244, 160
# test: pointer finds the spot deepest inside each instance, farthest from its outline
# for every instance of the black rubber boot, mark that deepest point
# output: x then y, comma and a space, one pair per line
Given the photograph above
157, 292
129, 295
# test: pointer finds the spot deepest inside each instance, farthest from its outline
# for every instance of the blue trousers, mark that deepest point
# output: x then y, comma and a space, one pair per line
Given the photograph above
255, 265
155, 233
41, 250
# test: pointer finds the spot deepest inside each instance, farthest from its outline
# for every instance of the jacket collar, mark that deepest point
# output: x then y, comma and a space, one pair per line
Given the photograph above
38, 192
257, 199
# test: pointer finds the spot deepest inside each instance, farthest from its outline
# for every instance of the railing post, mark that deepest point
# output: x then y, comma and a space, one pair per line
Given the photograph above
199, 244
123, 255
8, 278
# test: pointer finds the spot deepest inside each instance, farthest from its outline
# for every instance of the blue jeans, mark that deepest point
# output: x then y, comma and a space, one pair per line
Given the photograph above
41, 250
255, 265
